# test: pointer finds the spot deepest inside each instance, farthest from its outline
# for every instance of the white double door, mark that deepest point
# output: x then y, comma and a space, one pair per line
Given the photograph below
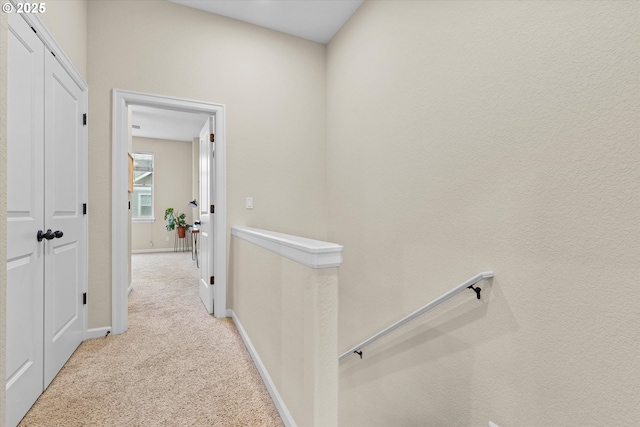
46, 187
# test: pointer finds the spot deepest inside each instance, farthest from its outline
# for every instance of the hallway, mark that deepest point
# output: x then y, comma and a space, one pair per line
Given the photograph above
175, 366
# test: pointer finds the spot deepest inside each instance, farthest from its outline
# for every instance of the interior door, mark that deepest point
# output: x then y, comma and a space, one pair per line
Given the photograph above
64, 187
207, 200
25, 216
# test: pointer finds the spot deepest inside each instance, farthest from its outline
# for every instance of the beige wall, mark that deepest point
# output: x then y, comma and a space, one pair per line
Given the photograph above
462, 136
273, 86
172, 187
3, 206
67, 21
469, 136
288, 311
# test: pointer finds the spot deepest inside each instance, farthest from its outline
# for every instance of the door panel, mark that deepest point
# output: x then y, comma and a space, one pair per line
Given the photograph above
65, 308
65, 105
64, 321
25, 207
206, 218
24, 335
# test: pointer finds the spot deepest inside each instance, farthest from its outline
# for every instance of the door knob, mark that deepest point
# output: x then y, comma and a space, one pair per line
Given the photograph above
58, 234
48, 235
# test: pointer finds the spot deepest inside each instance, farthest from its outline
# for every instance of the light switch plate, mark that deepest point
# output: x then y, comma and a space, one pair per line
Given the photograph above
249, 203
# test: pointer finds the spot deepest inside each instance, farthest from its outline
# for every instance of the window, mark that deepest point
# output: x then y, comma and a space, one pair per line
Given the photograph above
142, 198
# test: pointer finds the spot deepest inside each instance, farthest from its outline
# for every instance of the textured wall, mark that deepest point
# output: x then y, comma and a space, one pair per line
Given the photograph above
172, 188
4, 25
273, 86
67, 21
288, 310
469, 136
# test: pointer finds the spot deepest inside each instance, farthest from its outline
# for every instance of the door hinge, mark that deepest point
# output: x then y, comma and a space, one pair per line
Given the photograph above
54, 55
212, 282
84, 209
213, 209
34, 30
212, 138
84, 298
84, 119
129, 204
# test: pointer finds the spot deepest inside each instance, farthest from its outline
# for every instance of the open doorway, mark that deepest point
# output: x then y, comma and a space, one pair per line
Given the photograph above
164, 184
165, 148
213, 292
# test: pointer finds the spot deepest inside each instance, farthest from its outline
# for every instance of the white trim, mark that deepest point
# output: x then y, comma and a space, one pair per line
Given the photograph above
143, 220
155, 250
50, 43
220, 217
287, 419
120, 216
312, 253
97, 333
119, 196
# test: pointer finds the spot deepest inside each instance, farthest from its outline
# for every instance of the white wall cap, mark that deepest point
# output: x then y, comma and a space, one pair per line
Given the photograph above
312, 253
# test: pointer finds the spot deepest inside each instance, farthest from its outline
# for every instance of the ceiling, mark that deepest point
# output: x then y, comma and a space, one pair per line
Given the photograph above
166, 124
317, 20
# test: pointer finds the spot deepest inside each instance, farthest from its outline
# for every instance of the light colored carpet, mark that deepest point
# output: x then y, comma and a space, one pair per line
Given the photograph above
175, 366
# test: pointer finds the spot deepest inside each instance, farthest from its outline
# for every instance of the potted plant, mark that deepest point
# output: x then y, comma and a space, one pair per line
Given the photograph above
177, 220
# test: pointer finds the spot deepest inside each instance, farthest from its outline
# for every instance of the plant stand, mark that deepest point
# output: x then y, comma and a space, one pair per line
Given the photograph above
194, 244
180, 244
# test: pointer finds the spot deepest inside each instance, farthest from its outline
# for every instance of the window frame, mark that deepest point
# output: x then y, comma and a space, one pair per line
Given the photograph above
149, 219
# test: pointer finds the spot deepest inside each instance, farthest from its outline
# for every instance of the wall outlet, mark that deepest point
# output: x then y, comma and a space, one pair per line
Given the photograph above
167, 239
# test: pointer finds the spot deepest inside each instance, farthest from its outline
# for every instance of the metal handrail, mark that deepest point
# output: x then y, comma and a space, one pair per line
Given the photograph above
469, 284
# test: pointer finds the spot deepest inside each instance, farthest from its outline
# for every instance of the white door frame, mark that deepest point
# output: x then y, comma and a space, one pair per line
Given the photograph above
119, 197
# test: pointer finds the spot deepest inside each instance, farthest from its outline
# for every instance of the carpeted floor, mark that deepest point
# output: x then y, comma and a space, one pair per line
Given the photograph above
175, 366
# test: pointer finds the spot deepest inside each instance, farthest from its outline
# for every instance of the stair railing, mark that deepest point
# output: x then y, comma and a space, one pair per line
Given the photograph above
469, 284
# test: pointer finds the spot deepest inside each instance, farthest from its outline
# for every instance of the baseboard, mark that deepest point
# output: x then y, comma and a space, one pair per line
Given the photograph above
287, 419
97, 333
150, 250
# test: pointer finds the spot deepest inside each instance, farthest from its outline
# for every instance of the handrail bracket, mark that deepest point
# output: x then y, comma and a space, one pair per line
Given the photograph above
477, 289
